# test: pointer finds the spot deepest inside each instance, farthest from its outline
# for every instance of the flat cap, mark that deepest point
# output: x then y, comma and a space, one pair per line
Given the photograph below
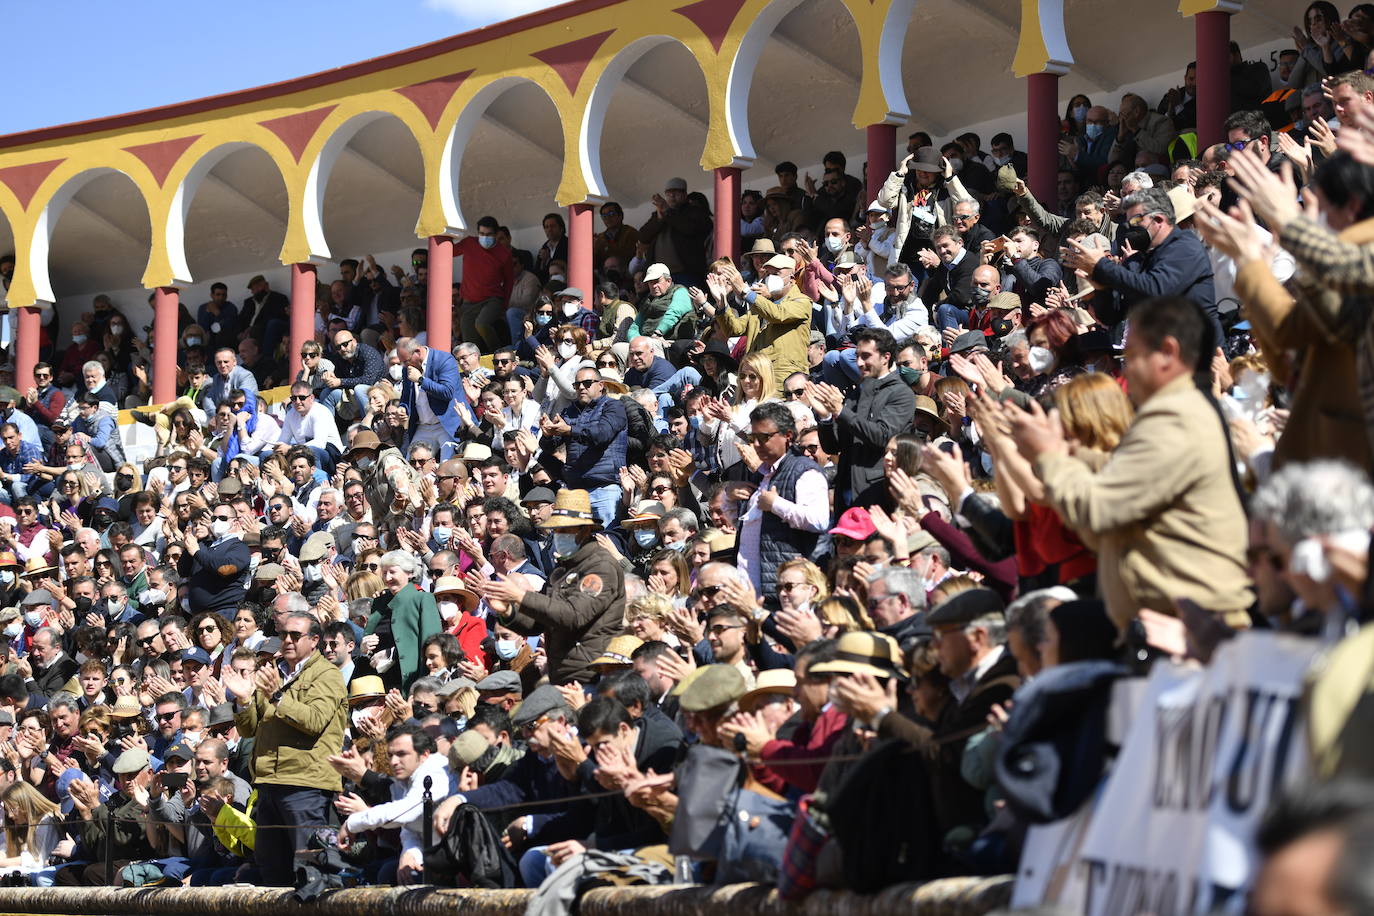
131, 761
715, 686
969, 341
316, 546
502, 682
541, 702
469, 747
966, 607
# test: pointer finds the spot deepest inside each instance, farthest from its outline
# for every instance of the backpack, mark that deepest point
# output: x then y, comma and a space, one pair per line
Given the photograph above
883, 819
470, 854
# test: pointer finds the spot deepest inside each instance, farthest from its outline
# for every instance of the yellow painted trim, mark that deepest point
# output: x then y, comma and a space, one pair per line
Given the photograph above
1032, 56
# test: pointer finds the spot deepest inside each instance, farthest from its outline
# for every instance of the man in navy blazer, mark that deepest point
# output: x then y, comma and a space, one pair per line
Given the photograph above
430, 390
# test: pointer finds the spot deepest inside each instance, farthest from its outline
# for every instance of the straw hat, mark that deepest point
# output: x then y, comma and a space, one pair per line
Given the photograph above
781, 681
619, 651
571, 509
452, 585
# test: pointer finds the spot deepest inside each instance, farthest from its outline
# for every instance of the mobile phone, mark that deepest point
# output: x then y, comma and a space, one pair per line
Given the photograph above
174, 782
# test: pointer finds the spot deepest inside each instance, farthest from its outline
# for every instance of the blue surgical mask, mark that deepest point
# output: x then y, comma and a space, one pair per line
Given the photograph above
486, 241
1080, 113
507, 649
541, 319
442, 533
1093, 131
33, 618
645, 537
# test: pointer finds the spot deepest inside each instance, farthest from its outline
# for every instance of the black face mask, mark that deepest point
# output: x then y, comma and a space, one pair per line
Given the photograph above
1138, 237
124, 481
83, 606
1002, 326
266, 595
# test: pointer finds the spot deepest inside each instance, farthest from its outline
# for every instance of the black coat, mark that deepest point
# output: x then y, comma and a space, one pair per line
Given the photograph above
874, 411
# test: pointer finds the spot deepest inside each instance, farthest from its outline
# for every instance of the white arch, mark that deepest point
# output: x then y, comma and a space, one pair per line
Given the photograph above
890, 47
186, 193
317, 181
450, 163
47, 222
594, 116
741, 79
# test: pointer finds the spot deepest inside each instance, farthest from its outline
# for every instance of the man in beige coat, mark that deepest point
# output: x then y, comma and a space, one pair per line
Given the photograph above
1163, 510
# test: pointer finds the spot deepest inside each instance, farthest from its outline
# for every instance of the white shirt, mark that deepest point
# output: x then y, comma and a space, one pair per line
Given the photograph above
316, 428
406, 808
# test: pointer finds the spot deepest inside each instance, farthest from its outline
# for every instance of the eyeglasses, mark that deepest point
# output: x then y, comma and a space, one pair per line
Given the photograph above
586, 382
301, 397
706, 591
294, 635
534, 726
720, 628
811, 449
1239, 145
788, 586
175, 467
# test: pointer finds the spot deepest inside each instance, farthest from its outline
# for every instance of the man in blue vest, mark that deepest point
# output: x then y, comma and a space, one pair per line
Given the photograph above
789, 506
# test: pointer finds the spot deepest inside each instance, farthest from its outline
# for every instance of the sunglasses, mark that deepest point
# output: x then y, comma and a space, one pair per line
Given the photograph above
301, 397
606, 364
758, 438
370, 567
293, 635
167, 716
1239, 145
707, 591
211, 628
586, 383
794, 392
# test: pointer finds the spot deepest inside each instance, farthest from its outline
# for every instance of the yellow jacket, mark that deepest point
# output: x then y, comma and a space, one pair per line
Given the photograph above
780, 330
1163, 509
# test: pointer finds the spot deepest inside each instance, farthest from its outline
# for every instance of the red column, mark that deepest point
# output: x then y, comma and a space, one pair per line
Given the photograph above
1042, 134
26, 332
164, 344
303, 284
1213, 75
882, 157
727, 212
439, 293
581, 271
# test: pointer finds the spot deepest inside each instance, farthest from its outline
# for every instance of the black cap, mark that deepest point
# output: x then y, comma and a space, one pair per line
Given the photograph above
966, 607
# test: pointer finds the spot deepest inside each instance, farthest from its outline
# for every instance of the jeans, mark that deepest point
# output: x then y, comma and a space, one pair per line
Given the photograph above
605, 502
515, 324
948, 315
841, 367
275, 850
330, 397
482, 322
669, 391
13, 490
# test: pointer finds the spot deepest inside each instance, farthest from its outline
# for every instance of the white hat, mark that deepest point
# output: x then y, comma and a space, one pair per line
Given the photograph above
657, 272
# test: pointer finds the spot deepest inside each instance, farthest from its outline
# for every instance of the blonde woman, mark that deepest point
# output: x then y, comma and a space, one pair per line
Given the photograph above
363, 584
725, 424
647, 617
33, 831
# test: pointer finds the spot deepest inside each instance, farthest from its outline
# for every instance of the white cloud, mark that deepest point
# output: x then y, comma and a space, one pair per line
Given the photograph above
478, 13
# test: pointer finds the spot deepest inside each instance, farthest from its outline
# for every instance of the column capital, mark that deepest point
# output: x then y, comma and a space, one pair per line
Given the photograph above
1042, 45
1193, 7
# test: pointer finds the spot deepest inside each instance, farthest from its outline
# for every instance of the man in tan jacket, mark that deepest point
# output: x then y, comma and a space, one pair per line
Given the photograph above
778, 323
1163, 510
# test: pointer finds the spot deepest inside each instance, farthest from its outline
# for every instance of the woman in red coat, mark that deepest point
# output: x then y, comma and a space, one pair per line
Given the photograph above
456, 604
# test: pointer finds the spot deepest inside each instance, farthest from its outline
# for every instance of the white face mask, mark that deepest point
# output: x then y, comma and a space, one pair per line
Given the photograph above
566, 351
834, 243
486, 241
14, 629
564, 545
395, 372
312, 573
570, 309
219, 527
774, 284
448, 609
1040, 359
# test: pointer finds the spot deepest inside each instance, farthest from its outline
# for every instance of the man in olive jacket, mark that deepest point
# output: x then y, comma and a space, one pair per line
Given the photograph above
583, 604
297, 711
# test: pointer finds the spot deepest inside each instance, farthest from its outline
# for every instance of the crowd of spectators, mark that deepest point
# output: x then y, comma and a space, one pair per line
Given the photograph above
722, 569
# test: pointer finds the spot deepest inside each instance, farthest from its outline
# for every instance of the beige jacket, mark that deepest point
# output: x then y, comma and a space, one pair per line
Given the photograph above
1163, 509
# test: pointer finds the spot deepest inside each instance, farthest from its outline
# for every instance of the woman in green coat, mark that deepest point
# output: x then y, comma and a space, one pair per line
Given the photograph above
403, 617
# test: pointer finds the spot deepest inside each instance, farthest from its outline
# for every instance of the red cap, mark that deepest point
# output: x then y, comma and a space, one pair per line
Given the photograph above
855, 524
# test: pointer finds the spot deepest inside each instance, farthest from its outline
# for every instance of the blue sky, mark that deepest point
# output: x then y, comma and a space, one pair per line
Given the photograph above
72, 60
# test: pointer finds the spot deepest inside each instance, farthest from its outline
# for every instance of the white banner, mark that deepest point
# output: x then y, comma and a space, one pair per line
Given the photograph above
1172, 830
